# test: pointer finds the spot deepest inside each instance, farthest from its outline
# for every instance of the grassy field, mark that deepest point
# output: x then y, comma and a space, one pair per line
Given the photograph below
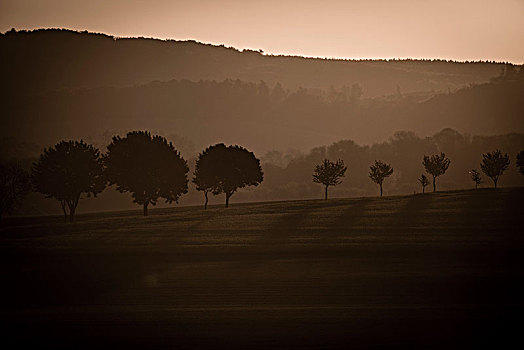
422, 271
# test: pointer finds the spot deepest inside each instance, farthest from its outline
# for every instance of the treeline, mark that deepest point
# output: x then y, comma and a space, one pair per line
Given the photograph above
246, 113
404, 151
403, 165
49, 59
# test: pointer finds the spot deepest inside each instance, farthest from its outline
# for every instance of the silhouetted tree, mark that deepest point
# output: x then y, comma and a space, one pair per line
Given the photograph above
475, 176
520, 161
147, 166
225, 169
436, 165
423, 181
494, 164
378, 172
329, 173
14, 185
68, 170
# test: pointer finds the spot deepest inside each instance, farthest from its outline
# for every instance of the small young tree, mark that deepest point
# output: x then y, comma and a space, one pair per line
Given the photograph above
220, 169
66, 171
520, 161
494, 164
424, 181
329, 173
436, 165
147, 166
14, 185
378, 172
475, 177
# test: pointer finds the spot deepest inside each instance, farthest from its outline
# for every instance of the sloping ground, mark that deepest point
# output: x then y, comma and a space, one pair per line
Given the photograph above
429, 271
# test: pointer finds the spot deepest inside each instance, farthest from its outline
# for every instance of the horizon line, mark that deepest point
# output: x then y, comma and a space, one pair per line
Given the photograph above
267, 53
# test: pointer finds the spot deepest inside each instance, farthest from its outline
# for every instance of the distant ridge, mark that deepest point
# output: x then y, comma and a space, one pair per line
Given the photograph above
44, 59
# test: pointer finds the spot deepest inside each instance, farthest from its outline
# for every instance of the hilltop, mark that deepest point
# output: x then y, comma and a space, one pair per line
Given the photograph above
47, 59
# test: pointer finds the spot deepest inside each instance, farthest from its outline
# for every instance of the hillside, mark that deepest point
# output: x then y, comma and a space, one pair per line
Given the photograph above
39, 60
422, 271
259, 116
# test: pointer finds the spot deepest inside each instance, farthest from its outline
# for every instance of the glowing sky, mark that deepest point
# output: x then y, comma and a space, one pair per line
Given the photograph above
449, 29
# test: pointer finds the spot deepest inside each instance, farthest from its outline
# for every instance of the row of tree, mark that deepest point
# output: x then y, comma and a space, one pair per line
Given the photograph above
148, 167
493, 164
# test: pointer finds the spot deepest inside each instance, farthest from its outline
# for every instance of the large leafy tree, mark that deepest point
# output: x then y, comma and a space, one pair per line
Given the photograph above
329, 173
436, 165
378, 172
68, 170
225, 169
494, 164
14, 185
147, 166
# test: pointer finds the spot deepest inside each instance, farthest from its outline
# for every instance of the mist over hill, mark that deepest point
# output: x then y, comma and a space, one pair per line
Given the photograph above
259, 116
55, 58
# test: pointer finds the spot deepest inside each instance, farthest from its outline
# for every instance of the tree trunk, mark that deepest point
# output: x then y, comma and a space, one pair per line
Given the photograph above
495, 181
227, 199
145, 208
434, 184
205, 204
326, 193
380, 190
476, 185
423, 189
63, 205
72, 214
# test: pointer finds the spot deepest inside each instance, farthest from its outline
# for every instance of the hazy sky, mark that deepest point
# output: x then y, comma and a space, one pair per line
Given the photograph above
450, 29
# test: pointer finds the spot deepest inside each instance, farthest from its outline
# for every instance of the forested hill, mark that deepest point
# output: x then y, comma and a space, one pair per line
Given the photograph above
51, 59
259, 116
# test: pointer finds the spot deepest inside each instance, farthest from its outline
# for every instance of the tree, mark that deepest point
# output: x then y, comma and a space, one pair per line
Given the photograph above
225, 169
494, 164
475, 176
329, 173
147, 166
66, 171
424, 182
14, 185
378, 172
436, 165
520, 161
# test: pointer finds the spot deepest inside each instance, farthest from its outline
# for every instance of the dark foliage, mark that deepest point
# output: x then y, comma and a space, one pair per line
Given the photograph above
475, 177
436, 165
147, 166
329, 174
378, 172
225, 169
494, 164
14, 185
520, 161
424, 181
67, 170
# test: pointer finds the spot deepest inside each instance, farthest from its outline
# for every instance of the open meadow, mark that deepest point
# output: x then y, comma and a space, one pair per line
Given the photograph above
441, 270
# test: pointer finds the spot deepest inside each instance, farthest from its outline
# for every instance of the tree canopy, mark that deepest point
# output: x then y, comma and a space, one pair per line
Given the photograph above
494, 164
329, 173
67, 170
378, 172
147, 166
436, 165
475, 177
225, 169
424, 182
14, 185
